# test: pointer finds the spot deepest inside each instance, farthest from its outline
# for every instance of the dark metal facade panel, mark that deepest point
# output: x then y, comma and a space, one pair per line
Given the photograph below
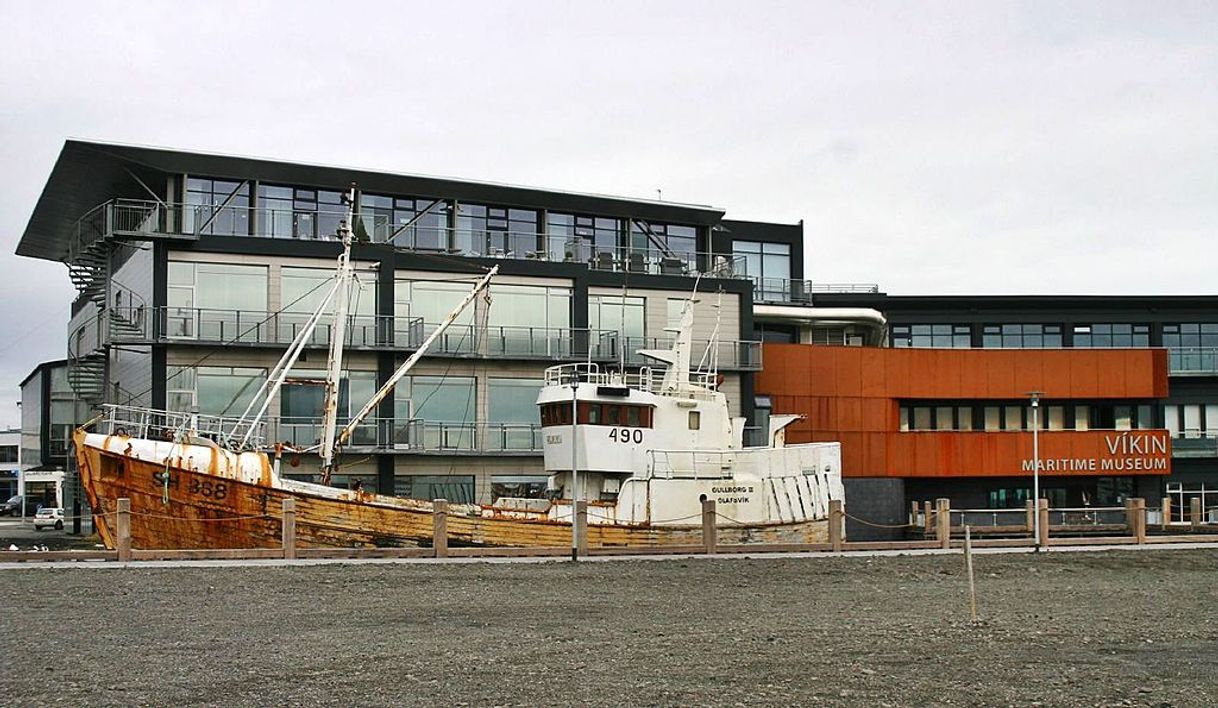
87, 174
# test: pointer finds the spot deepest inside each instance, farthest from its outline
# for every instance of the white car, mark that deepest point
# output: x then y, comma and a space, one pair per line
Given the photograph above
48, 517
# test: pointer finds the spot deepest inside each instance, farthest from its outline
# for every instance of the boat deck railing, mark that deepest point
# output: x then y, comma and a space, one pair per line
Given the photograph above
156, 424
702, 384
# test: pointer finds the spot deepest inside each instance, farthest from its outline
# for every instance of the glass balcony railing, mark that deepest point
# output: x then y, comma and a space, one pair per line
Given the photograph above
726, 355
224, 327
188, 221
800, 292
1193, 361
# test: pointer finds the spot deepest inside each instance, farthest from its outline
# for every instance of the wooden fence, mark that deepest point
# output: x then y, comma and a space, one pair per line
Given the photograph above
938, 529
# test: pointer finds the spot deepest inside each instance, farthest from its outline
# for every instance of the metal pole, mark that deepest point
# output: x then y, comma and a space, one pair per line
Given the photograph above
574, 462
1035, 395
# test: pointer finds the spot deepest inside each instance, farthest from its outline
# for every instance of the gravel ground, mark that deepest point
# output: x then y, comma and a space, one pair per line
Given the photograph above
1113, 628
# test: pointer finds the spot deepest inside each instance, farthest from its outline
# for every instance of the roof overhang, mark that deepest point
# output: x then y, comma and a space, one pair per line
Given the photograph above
88, 174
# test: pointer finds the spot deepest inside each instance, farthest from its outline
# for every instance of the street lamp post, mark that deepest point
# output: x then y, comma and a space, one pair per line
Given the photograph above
574, 464
1035, 396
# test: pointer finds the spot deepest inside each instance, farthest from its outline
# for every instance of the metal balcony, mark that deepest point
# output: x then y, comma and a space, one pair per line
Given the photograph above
727, 355
160, 220
800, 292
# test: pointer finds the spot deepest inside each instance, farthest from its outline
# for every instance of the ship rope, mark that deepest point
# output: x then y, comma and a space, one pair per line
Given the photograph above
873, 524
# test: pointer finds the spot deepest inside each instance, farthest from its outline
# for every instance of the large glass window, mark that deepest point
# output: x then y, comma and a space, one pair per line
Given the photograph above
769, 267
216, 206
298, 212
432, 301
1022, 336
592, 239
512, 414
447, 407
302, 405
1112, 335
1193, 347
214, 390
384, 217
668, 239
458, 489
215, 301
529, 320
625, 315
497, 231
946, 336
302, 291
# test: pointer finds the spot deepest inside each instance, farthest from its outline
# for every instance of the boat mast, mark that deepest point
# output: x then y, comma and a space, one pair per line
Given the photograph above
338, 333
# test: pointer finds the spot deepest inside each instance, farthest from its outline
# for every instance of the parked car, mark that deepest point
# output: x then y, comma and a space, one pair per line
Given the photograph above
12, 507
49, 517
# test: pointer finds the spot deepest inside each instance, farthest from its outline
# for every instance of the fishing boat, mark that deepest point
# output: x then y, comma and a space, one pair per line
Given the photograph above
639, 450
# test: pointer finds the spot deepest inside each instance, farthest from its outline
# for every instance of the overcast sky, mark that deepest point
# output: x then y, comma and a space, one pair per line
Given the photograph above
929, 147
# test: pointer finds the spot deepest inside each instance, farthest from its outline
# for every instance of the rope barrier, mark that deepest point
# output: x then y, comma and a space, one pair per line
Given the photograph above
879, 526
671, 521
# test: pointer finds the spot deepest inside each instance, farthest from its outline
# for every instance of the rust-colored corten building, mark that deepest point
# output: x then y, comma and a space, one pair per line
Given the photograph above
918, 424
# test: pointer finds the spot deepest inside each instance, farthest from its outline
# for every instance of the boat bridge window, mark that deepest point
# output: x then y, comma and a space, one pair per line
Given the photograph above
616, 414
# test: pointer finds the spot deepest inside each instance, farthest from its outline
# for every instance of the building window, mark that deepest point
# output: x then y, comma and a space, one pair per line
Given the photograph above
512, 414
215, 301
432, 301
447, 407
584, 239
299, 212
695, 420
768, 265
383, 218
614, 313
302, 405
940, 336
1112, 335
303, 289
215, 206
458, 489
214, 390
669, 240
1193, 347
496, 231
1022, 336
529, 320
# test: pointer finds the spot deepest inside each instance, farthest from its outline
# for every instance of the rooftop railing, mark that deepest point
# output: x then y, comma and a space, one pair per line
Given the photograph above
190, 221
784, 290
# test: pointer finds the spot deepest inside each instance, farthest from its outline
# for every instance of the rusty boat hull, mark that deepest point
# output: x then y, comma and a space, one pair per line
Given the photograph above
200, 510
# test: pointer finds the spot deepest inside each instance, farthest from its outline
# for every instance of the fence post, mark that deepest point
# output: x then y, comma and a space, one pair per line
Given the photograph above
710, 537
439, 528
1131, 522
1194, 511
913, 513
580, 526
1042, 506
122, 530
1166, 512
1030, 509
289, 528
927, 518
1139, 519
943, 522
836, 520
